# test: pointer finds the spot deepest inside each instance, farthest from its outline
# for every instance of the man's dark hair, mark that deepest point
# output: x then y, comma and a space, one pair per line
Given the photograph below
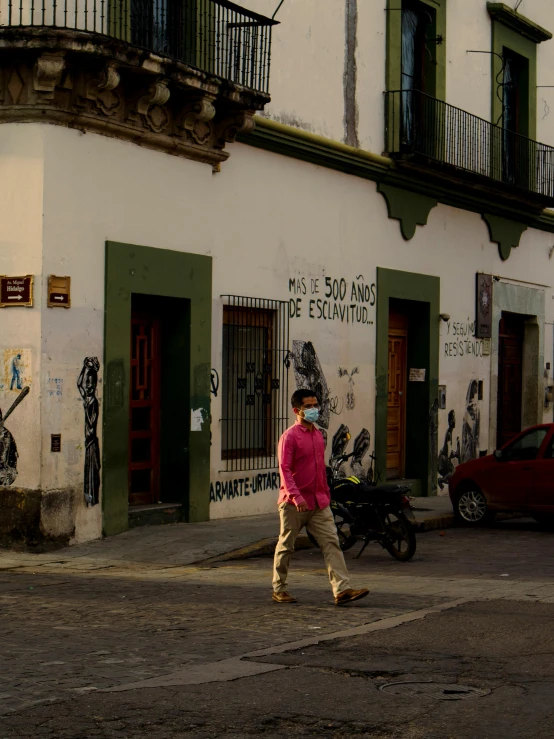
299, 396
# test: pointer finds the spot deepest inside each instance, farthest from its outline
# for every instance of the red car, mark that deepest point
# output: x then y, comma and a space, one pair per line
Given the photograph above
519, 477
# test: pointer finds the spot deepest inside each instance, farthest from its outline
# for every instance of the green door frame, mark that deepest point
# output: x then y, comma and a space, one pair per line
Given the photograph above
393, 284
149, 271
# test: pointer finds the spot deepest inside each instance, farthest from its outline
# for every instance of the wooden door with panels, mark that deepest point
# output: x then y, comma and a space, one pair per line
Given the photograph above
144, 410
396, 402
510, 377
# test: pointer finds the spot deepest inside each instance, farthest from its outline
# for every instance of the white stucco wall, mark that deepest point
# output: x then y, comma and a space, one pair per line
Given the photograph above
21, 207
277, 219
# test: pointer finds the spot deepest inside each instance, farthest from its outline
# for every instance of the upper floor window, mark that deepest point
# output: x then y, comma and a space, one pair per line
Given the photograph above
418, 46
254, 380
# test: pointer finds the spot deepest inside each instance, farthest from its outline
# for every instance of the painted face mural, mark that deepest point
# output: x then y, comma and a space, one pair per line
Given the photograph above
8, 447
87, 384
471, 428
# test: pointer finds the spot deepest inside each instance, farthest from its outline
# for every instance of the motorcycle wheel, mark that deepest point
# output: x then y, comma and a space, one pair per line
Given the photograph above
401, 531
346, 539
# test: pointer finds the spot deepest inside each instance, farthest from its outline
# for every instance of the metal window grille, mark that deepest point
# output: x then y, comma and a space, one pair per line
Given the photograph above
216, 36
428, 129
254, 381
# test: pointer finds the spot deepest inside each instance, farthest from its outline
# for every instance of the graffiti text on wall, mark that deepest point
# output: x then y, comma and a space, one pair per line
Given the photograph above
332, 299
461, 341
243, 486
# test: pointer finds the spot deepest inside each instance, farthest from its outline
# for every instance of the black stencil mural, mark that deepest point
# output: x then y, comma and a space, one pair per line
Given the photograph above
361, 448
8, 447
350, 398
341, 439
87, 384
471, 426
448, 453
308, 374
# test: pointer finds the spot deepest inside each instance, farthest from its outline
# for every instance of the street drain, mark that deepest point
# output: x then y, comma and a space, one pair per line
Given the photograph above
438, 691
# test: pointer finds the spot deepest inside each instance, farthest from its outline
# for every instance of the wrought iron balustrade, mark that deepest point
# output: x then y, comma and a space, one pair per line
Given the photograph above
216, 36
421, 127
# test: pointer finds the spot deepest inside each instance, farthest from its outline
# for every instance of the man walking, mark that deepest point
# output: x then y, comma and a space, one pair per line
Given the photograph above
304, 501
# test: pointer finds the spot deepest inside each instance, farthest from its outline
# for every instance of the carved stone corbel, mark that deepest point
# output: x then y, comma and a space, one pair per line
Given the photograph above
47, 74
157, 94
196, 119
151, 106
234, 125
101, 90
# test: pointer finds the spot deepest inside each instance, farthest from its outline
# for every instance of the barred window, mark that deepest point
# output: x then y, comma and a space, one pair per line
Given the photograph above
255, 381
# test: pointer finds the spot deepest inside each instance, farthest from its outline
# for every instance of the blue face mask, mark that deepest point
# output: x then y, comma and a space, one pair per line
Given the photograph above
311, 415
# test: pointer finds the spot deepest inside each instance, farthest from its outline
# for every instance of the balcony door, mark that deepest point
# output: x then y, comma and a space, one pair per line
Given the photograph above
515, 120
418, 64
510, 377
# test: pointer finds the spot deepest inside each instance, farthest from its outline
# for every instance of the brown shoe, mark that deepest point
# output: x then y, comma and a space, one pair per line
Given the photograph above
283, 598
347, 596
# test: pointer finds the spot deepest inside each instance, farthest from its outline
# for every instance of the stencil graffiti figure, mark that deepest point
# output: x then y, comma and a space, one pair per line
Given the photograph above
8, 447
350, 398
308, 374
341, 437
447, 453
471, 427
87, 383
16, 372
361, 448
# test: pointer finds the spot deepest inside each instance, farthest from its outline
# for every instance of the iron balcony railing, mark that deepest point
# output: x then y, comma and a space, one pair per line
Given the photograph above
422, 127
216, 36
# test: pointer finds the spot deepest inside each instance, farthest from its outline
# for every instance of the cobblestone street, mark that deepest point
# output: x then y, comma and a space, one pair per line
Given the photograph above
157, 633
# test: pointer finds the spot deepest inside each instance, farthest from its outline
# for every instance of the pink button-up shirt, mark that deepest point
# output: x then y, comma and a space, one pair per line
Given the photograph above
302, 468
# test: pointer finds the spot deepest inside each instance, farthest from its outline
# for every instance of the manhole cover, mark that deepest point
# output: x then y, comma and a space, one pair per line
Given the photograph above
438, 691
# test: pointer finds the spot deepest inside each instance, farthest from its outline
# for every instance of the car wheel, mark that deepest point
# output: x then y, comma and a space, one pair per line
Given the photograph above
471, 508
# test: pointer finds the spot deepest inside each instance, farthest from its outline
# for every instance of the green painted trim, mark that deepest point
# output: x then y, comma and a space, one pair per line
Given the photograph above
144, 270
518, 23
423, 289
410, 208
309, 147
394, 46
504, 37
507, 234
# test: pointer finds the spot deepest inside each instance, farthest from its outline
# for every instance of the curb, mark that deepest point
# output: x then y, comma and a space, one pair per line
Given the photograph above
266, 547
434, 523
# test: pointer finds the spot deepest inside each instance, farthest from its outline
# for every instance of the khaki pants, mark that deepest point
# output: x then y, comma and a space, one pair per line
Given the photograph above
321, 525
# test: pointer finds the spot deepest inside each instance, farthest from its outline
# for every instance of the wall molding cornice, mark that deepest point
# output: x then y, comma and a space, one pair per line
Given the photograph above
512, 19
303, 145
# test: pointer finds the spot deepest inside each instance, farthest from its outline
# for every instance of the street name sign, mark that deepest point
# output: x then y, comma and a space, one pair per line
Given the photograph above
59, 292
16, 291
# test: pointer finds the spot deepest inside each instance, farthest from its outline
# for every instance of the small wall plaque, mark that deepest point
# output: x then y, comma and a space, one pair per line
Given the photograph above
59, 292
442, 397
55, 442
16, 291
483, 324
417, 375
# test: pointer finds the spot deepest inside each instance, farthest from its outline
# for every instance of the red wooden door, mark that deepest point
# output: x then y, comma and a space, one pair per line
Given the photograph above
396, 403
144, 411
510, 372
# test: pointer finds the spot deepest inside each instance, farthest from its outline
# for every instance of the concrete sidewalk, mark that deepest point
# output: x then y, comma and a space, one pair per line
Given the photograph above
178, 545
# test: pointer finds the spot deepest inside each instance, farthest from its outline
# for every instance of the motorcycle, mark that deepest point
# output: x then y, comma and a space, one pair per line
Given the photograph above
367, 512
